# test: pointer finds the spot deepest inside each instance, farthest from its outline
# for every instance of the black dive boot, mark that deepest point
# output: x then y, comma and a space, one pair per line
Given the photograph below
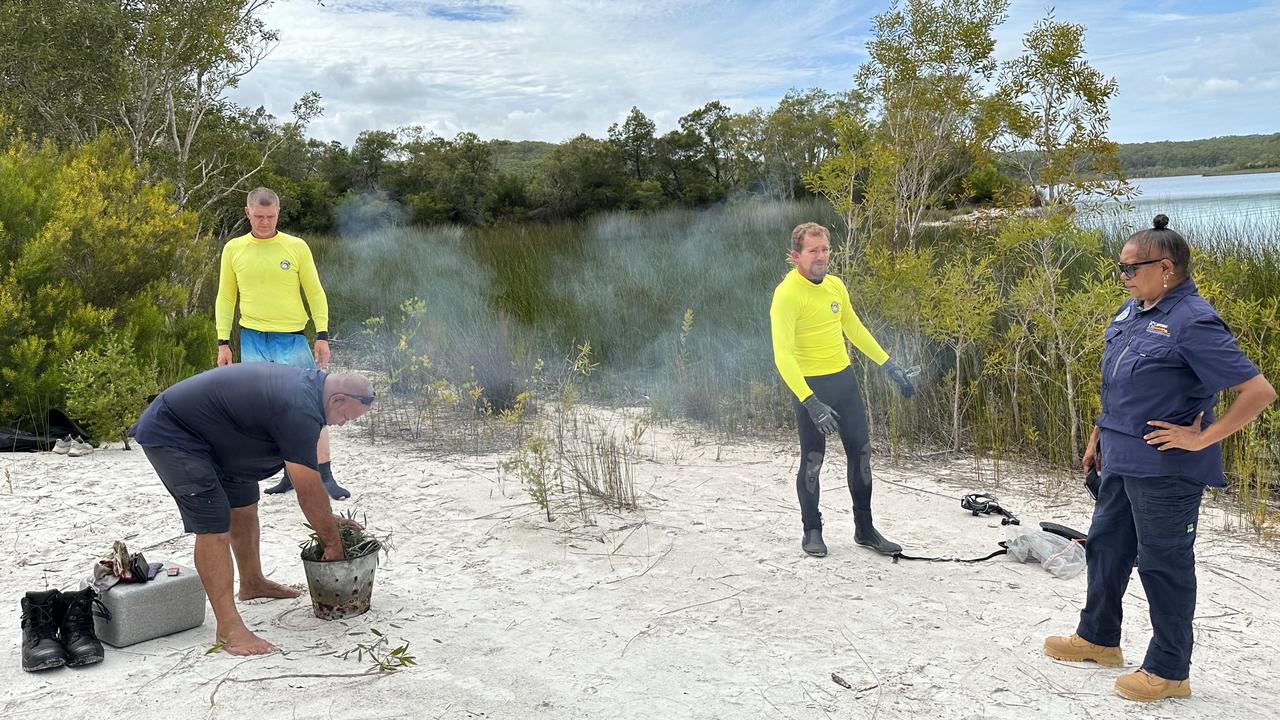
40, 647
813, 544
866, 534
331, 486
78, 636
284, 486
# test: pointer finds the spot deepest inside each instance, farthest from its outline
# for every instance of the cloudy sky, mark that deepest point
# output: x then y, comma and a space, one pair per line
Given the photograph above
551, 69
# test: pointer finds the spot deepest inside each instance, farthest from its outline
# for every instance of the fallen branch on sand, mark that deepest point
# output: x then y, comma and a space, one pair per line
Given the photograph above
708, 602
646, 570
874, 676
290, 676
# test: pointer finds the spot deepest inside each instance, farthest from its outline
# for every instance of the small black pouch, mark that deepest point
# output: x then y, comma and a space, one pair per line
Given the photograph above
139, 568
1092, 482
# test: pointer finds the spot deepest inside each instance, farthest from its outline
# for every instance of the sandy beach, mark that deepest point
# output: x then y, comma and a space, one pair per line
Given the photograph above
699, 605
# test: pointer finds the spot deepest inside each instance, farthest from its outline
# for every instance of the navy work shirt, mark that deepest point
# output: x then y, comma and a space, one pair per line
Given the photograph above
247, 417
1166, 363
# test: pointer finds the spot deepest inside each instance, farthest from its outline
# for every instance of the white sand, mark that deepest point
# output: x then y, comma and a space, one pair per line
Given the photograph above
699, 606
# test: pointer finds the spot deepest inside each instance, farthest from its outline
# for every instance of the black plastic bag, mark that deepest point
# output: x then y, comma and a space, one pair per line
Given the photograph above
57, 425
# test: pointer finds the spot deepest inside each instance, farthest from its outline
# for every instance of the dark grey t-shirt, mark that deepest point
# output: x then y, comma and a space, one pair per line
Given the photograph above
248, 417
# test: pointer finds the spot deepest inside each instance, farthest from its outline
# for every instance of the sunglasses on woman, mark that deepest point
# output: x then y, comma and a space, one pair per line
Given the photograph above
1130, 269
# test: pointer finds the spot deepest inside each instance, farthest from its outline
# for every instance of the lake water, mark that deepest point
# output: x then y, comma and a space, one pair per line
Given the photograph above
1198, 203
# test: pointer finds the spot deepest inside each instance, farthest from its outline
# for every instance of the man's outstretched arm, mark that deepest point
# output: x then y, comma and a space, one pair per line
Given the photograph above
314, 502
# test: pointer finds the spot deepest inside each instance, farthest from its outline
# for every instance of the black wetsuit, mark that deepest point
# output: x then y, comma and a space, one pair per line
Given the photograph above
840, 391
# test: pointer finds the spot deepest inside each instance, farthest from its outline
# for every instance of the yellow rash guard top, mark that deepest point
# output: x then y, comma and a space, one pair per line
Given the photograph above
809, 324
266, 274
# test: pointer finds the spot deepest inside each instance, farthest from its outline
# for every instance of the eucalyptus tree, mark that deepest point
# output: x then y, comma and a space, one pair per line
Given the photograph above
635, 139
372, 156
927, 65
1061, 292
712, 125
960, 312
1057, 116
154, 73
63, 66
583, 175
678, 167
797, 136
845, 178
694, 163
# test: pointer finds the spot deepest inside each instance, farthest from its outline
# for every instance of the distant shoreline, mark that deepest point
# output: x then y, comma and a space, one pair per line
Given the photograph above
1208, 157
1248, 171
1202, 172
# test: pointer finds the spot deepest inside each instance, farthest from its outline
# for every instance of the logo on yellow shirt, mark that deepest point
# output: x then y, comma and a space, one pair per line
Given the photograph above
284, 265
835, 307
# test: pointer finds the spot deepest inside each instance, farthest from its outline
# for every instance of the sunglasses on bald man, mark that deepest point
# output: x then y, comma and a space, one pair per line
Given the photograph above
365, 400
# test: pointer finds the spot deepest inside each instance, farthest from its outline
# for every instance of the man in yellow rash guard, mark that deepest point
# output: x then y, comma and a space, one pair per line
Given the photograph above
811, 315
265, 270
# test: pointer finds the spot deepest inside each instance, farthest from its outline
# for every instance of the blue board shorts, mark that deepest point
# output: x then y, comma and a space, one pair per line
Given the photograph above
277, 347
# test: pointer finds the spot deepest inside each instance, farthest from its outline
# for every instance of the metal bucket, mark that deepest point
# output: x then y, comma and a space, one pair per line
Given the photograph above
341, 588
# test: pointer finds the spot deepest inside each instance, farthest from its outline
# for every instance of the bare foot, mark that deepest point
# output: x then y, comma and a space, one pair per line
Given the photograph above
240, 641
265, 588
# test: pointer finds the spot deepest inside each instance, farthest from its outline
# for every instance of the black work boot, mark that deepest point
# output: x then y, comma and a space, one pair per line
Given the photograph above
284, 486
78, 636
40, 647
813, 544
865, 533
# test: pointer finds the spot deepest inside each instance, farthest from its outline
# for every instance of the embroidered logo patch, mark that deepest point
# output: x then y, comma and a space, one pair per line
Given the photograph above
835, 307
1191, 527
284, 265
1158, 328
1124, 314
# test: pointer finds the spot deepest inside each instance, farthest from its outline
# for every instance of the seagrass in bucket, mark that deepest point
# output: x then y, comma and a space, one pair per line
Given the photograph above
341, 588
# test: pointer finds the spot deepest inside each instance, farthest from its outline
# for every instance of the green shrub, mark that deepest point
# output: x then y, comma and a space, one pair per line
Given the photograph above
88, 249
107, 388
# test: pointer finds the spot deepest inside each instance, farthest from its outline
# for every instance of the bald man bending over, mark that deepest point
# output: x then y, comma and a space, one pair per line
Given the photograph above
212, 437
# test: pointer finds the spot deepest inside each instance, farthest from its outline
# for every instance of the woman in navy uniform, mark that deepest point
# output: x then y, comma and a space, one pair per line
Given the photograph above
1167, 357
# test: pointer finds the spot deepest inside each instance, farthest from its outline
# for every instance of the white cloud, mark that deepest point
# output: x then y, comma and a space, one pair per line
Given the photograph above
1185, 69
1219, 86
550, 69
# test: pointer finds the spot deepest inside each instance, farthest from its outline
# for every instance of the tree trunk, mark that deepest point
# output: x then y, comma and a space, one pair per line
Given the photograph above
955, 407
1013, 395
1073, 414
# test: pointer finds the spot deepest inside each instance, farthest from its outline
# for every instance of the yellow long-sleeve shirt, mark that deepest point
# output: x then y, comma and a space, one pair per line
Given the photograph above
266, 275
809, 323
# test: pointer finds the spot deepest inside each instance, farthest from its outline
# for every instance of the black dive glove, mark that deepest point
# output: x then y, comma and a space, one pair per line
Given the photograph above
822, 414
899, 376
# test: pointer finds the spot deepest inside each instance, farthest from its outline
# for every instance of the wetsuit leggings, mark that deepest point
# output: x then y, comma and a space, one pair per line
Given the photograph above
840, 391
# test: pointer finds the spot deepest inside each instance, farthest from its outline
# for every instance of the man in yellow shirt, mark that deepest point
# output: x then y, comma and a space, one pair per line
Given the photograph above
810, 316
265, 270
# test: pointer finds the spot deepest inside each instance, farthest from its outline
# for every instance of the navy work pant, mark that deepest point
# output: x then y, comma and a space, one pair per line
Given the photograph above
840, 391
1154, 521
